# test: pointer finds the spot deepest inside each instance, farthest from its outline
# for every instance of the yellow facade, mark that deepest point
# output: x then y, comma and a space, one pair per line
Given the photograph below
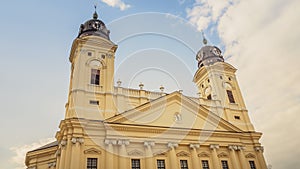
110, 127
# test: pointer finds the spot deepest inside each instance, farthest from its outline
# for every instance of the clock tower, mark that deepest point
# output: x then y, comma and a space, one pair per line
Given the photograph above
218, 87
92, 72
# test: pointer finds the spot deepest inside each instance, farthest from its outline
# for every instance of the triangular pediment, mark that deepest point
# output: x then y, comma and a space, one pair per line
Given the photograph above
92, 151
182, 154
176, 111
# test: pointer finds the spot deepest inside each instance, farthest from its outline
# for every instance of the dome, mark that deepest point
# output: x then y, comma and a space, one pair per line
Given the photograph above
209, 55
94, 27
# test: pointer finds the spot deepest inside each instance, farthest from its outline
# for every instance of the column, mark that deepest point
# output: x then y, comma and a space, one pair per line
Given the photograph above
242, 157
62, 160
232, 149
75, 158
215, 159
109, 162
259, 151
149, 154
173, 159
68, 153
123, 153
195, 160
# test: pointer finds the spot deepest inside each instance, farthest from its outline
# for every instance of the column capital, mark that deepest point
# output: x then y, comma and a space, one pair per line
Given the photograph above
233, 147
79, 140
110, 142
241, 148
194, 146
214, 146
172, 145
63, 143
123, 142
259, 148
149, 143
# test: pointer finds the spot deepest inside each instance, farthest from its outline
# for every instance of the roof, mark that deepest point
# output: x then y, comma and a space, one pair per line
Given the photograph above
52, 144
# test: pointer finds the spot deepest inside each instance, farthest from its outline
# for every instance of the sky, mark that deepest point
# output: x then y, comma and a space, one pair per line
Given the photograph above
157, 38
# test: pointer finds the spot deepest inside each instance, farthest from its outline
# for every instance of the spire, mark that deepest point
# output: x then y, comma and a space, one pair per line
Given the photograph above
204, 39
95, 16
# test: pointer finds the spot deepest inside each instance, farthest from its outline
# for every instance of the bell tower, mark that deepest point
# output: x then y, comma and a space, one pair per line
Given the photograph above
92, 72
218, 87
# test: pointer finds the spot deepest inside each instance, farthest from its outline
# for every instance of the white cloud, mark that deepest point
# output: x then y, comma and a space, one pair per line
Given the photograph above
263, 38
117, 3
20, 151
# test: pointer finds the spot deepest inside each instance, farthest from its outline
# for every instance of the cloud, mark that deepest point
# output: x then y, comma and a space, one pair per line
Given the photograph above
117, 3
20, 151
263, 40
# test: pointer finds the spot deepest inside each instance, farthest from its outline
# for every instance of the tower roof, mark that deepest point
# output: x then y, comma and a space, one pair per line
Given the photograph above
94, 27
208, 55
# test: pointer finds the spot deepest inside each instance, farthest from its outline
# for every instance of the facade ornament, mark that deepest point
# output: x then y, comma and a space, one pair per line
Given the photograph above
75, 140
182, 154
149, 143
119, 82
162, 88
233, 147
63, 143
194, 146
241, 148
214, 146
259, 148
123, 142
172, 145
57, 153
52, 164
110, 141
141, 85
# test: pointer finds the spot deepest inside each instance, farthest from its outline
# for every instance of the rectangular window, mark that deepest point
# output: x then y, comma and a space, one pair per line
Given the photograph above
135, 164
237, 117
95, 76
89, 53
209, 97
161, 164
230, 96
205, 164
92, 163
224, 164
95, 102
252, 165
184, 164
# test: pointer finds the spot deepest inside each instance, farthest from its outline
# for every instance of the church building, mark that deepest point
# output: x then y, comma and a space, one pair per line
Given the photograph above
107, 126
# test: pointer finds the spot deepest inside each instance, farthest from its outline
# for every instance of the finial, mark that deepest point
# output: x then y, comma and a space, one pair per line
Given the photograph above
204, 39
119, 82
161, 88
95, 16
141, 86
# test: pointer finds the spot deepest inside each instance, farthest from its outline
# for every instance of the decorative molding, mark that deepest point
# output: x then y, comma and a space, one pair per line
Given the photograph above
182, 154
233, 147
241, 148
34, 167
223, 155
57, 153
92, 151
52, 164
160, 153
203, 154
250, 155
135, 153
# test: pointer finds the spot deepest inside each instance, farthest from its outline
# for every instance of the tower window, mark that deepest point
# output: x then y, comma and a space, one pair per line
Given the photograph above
161, 164
252, 165
230, 96
103, 56
95, 76
135, 164
184, 164
92, 163
209, 97
221, 77
229, 78
95, 102
208, 80
89, 53
237, 117
224, 164
205, 164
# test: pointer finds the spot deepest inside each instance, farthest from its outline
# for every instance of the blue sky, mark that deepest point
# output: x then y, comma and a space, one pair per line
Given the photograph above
261, 39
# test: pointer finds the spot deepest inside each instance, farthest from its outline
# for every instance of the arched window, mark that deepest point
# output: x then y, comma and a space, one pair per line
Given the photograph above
95, 76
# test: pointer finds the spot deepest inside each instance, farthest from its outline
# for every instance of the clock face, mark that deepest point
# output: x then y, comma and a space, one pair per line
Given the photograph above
96, 25
216, 51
